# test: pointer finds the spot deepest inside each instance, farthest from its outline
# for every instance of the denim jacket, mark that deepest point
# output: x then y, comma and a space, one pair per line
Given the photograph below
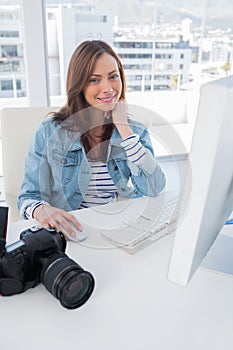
57, 170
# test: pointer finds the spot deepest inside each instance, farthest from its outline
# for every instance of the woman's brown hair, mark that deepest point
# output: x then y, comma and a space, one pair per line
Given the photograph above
80, 69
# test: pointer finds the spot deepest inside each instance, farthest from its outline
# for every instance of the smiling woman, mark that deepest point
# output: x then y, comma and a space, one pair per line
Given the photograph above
104, 87
89, 150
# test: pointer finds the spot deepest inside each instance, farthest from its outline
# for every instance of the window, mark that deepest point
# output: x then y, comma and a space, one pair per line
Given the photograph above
9, 66
132, 39
164, 45
132, 66
135, 55
9, 34
12, 72
18, 84
6, 85
9, 50
164, 56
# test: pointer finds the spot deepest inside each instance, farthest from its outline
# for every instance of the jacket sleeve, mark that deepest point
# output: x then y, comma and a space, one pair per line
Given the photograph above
35, 188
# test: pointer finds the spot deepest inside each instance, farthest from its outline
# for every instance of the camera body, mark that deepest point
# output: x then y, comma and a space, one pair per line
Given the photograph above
21, 262
39, 256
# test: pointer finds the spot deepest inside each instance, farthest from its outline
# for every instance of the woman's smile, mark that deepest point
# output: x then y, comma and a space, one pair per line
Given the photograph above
105, 99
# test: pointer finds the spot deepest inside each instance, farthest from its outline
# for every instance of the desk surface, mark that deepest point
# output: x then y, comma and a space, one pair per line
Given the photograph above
133, 305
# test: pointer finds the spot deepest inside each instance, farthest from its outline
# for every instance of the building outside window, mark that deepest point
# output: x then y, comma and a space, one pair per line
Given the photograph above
144, 53
12, 68
164, 58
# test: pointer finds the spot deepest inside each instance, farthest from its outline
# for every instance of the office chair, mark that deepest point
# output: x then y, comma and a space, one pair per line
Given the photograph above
17, 127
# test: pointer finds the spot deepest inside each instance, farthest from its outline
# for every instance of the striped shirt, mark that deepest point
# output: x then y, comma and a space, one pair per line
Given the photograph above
135, 151
101, 188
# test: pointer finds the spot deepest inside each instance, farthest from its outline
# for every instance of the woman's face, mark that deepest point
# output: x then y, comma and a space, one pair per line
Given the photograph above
104, 87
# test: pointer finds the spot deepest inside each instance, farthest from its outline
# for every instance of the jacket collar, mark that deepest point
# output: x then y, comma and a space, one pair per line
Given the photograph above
76, 143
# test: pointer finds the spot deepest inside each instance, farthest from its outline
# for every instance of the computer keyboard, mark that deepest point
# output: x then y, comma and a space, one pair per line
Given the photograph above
153, 223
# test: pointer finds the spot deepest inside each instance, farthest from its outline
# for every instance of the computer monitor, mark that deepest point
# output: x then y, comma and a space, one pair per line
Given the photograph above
211, 199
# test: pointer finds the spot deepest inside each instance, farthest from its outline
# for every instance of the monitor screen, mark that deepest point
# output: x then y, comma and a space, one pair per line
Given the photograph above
210, 176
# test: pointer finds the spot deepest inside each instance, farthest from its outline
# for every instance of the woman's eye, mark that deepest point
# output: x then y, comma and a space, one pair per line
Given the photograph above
93, 80
114, 77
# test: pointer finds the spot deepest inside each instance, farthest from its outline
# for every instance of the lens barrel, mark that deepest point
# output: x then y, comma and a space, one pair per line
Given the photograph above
67, 281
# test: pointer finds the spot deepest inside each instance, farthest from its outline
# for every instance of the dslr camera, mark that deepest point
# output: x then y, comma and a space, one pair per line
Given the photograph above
39, 256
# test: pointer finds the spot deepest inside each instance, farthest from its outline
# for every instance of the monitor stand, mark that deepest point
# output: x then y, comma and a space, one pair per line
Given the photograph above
219, 259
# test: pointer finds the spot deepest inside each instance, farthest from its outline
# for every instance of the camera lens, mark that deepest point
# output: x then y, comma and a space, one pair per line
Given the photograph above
74, 289
67, 281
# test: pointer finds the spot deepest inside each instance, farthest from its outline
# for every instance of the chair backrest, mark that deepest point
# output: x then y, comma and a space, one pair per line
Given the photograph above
17, 129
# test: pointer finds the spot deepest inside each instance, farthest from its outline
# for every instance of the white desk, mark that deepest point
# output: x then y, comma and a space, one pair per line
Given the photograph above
133, 305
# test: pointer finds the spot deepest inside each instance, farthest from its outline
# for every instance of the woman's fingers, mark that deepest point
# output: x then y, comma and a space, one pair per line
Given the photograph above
49, 216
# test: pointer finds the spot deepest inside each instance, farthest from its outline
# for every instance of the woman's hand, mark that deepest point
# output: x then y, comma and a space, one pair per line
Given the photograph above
49, 216
120, 119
